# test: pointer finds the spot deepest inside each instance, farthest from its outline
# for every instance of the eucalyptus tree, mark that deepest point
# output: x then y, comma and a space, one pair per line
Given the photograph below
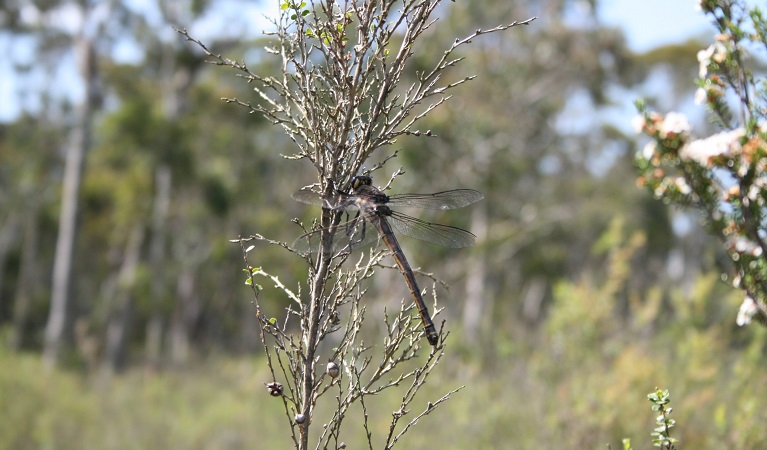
58, 31
162, 145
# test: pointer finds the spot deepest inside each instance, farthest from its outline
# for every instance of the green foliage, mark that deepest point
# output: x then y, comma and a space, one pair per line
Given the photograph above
605, 340
295, 6
140, 410
578, 386
662, 434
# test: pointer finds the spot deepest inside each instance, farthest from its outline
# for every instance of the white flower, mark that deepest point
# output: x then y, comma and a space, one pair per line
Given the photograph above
720, 50
700, 96
761, 181
743, 246
747, 310
742, 172
705, 55
674, 123
702, 150
704, 59
682, 185
649, 150
736, 281
638, 123
716, 52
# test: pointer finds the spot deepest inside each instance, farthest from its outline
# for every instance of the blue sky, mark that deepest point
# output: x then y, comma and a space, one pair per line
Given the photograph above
647, 24
652, 23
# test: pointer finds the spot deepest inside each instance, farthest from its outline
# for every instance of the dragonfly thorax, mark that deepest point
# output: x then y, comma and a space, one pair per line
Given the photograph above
372, 203
383, 210
368, 194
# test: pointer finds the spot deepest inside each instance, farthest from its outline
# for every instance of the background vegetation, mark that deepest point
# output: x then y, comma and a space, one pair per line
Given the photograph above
583, 294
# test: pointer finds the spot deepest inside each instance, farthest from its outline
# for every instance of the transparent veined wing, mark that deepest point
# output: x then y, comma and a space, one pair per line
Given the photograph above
435, 233
347, 237
456, 198
337, 202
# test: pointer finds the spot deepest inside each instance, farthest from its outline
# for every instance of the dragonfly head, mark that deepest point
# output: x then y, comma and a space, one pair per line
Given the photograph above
361, 180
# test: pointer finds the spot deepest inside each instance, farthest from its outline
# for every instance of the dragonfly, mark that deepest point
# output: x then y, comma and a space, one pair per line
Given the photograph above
374, 211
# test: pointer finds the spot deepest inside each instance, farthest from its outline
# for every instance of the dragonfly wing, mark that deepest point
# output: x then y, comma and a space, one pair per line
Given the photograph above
308, 197
456, 198
435, 233
337, 202
348, 236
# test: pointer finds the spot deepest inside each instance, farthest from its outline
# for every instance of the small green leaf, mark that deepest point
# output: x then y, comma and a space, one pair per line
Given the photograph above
640, 105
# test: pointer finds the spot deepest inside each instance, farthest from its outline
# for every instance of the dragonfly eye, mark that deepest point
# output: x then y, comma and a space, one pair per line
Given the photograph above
361, 180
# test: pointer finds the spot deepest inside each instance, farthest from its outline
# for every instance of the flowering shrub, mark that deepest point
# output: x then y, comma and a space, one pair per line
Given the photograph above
723, 175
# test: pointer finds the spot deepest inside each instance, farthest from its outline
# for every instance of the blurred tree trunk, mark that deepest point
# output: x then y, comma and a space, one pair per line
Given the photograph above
185, 315
478, 302
27, 284
58, 330
160, 210
121, 310
177, 79
8, 234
